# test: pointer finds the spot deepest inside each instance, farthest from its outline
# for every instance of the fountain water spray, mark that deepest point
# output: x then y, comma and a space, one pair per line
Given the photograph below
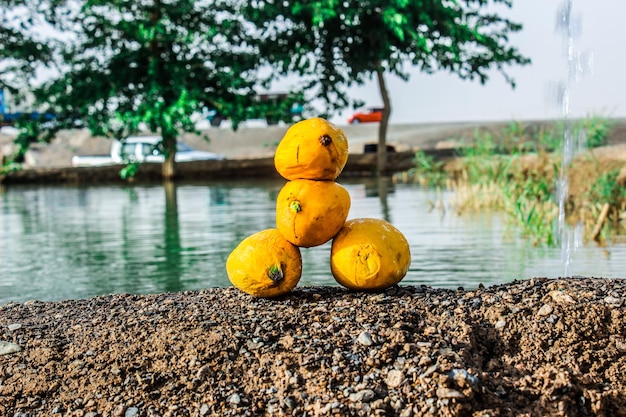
577, 65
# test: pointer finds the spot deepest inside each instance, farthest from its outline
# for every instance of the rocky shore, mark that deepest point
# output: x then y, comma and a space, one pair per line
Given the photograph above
536, 347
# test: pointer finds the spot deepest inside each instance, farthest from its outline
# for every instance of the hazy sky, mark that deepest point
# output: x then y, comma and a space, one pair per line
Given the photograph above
443, 97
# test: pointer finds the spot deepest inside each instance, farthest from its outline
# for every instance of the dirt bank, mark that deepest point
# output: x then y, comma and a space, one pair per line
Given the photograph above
249, 151
260, 142
532, 348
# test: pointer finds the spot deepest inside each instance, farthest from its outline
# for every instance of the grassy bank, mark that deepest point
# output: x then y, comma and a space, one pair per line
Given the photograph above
518, 171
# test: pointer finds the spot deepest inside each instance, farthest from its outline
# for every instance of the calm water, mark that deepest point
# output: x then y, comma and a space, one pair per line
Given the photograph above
68, 242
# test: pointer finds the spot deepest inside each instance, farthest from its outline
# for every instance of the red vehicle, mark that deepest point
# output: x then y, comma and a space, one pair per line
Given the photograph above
371, 115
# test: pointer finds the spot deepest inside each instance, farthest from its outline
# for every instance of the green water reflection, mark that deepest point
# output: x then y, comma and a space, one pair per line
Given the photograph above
76, 242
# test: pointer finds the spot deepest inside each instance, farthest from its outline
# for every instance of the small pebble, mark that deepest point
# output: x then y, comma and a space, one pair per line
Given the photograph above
464, 376
431, 370
365, 338
202, 372
253, 345
477, 302
7, 348
545, 310
449, 393
365, 395
289, 403
561, 297
394, 378
408, 412
119, 411
613, 301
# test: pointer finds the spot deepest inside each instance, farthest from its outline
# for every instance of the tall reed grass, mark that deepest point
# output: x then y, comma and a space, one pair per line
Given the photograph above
515, 171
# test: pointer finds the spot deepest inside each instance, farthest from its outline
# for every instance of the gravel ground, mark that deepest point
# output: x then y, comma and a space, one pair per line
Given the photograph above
529, 348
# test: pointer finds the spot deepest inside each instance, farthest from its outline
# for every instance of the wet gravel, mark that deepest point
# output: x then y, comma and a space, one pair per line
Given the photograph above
529, 348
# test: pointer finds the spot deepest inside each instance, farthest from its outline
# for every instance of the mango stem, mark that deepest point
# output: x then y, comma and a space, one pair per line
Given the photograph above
275, 273
295, 206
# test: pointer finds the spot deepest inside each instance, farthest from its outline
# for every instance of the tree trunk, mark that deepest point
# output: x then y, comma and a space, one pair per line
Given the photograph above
169, 142
381, 160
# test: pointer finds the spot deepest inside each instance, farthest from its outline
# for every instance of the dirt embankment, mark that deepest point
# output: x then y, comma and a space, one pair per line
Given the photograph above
532, 348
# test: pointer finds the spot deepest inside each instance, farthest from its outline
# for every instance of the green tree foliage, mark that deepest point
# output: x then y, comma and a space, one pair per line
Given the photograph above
21, 53
333, 44
154, 63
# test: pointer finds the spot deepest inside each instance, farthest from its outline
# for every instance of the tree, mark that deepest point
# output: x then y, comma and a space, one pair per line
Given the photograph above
154, 63
334, 44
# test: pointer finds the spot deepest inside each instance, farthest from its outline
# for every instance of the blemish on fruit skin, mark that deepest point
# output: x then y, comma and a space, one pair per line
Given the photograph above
295, 233
298, 154
326, 140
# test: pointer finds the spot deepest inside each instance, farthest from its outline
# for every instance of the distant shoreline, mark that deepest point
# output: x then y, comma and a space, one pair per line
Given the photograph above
249, 151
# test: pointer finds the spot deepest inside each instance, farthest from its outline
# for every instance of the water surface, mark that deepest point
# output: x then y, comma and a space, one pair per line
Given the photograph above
75, 242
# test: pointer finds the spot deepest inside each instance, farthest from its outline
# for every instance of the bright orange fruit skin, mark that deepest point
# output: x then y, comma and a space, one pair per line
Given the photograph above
265, 265
313, 149
310, 213
369, 254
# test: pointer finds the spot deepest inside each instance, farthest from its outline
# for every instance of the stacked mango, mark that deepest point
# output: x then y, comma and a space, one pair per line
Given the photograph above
311, 209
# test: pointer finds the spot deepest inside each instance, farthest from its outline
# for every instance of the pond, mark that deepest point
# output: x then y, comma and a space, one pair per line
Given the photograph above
61, 243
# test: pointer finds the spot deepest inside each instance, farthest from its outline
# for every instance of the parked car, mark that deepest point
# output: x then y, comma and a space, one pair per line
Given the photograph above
370, 115
142, 149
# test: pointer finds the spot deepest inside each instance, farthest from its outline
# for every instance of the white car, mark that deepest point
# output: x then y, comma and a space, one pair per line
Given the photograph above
143, 149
